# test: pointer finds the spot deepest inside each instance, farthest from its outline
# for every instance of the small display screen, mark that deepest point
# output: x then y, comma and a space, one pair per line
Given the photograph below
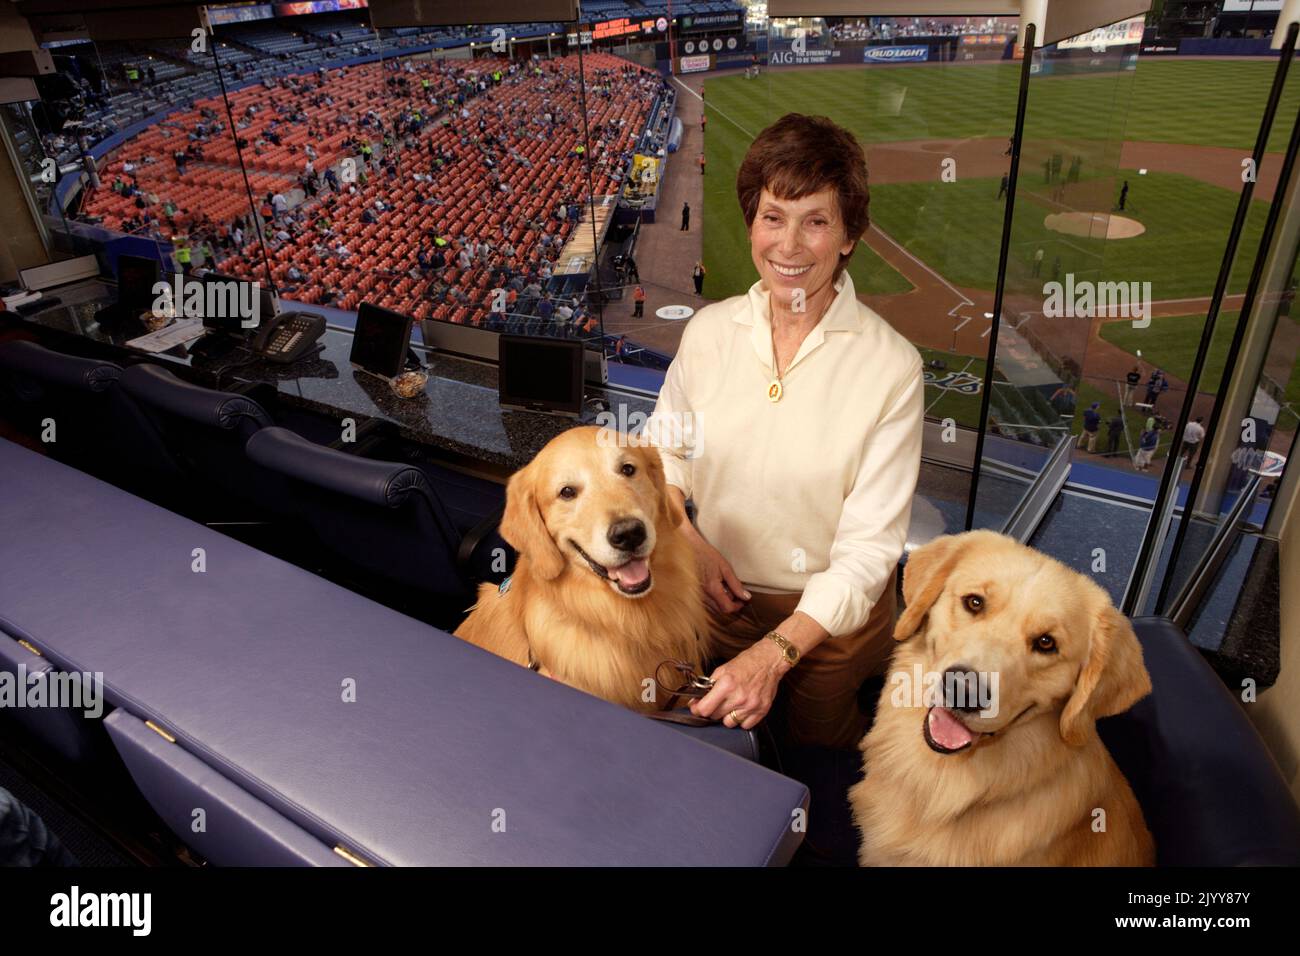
226, 303
545, 374
380, 341
136, 277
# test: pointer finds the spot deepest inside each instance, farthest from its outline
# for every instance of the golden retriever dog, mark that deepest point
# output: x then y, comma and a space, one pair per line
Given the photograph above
999, 764
606, 587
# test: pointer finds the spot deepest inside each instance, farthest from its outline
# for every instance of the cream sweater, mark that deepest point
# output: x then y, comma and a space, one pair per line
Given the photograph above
813, 493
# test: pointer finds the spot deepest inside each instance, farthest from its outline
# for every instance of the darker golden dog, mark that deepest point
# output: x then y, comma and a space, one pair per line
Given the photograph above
606, 587
1015, 777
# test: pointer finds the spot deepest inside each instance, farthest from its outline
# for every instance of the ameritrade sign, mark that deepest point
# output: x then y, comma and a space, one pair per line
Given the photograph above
710, 21
895, 54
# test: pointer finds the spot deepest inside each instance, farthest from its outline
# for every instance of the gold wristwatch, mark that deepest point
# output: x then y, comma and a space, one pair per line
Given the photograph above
790, 652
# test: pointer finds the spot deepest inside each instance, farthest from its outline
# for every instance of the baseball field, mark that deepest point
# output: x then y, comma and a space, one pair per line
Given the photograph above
1176, 130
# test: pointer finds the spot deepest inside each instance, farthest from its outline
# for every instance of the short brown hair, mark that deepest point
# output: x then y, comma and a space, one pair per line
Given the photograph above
799, 155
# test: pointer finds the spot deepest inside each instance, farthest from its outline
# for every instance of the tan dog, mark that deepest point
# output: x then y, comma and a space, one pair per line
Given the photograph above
606, 587
1016, 778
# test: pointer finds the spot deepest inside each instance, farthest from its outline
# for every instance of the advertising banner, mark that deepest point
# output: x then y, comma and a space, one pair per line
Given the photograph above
895, 54
317, 6
1160, 48
253, 11
623, 27
1124, 33
710, 22
694, 64
982, 46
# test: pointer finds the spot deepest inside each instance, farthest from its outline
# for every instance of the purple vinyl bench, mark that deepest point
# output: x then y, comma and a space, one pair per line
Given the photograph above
226, 690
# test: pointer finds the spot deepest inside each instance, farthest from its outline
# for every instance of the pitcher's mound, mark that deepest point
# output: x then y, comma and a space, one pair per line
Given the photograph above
1096, 224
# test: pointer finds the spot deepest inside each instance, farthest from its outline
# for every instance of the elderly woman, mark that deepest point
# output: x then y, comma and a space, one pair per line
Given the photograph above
791, 417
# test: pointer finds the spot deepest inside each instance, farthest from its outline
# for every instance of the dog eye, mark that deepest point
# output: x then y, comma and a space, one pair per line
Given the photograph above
973, 603
568, 492
1045, 644
627, 469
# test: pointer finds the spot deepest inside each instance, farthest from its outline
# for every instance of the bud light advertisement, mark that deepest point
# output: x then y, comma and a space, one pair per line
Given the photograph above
895, 54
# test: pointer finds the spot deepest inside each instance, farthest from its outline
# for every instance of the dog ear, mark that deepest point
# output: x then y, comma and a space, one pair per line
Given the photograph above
523, 528
1112, 679
924, 577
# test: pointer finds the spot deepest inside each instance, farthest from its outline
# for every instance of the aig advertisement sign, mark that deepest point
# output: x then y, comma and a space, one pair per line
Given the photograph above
802, 53
895, 54
802, 58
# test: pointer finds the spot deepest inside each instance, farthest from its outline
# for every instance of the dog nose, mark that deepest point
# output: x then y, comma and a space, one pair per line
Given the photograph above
627, 534
961, 688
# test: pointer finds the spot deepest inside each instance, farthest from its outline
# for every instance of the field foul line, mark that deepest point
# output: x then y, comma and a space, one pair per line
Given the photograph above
946, 284
748, 133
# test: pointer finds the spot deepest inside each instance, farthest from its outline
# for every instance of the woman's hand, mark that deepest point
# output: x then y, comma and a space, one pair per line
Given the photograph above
723, 592
744, 687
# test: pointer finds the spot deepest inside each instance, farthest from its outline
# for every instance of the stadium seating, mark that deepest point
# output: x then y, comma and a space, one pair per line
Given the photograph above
381, 254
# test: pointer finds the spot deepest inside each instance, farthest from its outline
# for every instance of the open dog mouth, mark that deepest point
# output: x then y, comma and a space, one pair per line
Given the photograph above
632, 577
945, 733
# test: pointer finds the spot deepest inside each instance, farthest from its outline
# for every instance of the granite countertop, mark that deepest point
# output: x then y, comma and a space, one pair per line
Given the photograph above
458, 411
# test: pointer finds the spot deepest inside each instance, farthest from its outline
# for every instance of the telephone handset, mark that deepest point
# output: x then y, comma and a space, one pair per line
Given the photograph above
288, 336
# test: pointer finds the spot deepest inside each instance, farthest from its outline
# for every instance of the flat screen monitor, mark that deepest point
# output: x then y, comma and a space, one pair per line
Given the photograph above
380, 341
228, 295
136, 277
541, 375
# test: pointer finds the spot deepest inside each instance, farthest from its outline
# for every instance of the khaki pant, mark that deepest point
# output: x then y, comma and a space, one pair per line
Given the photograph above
817, 702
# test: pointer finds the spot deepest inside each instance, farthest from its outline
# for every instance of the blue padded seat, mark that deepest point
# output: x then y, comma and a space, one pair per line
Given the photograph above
203, 430
381, 520
1209, 788
97, 428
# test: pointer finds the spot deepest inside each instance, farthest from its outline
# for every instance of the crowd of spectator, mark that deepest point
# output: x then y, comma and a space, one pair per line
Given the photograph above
888, 28
437, 126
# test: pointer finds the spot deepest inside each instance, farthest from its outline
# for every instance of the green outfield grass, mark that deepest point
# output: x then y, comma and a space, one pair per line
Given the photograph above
1086, 394
1202, 102
1170, 342
956, 229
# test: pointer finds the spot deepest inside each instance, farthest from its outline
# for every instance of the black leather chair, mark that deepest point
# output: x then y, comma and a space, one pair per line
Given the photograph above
384, 525
204, 431
96, 427
1209, 788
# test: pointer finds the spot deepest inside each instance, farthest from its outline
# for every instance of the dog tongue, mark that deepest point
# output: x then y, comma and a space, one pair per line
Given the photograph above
947, 731
631, 574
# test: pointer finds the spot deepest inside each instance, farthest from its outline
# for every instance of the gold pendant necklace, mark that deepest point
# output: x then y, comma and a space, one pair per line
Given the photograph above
775, 389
